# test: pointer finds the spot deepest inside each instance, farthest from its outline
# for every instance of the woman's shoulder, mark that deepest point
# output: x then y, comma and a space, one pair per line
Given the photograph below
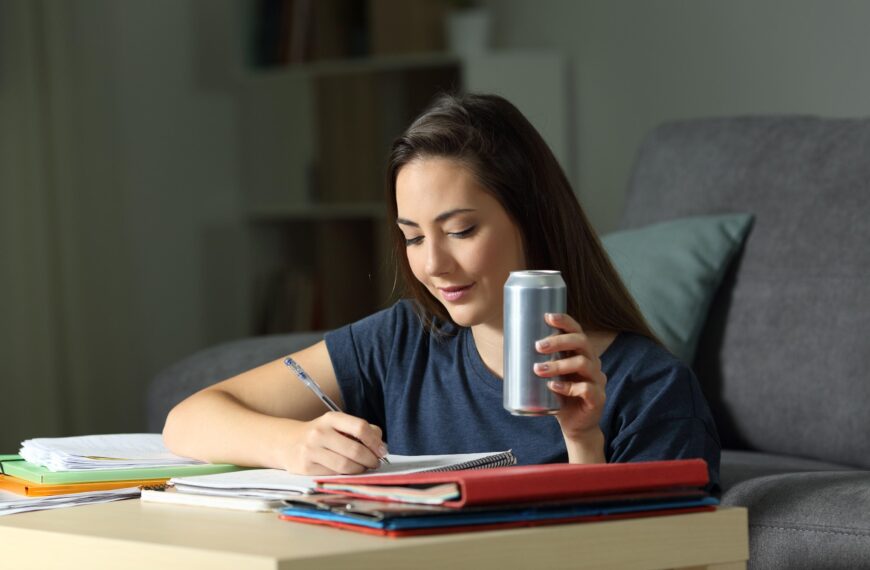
644, 379
634, 353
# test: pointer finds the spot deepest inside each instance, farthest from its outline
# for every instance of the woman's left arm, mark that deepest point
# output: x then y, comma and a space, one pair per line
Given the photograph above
581, 386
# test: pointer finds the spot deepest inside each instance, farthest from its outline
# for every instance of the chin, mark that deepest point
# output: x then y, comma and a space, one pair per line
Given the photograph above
461, 316
466, 316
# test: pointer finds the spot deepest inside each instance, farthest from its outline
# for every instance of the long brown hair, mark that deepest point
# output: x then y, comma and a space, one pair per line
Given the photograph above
510, 160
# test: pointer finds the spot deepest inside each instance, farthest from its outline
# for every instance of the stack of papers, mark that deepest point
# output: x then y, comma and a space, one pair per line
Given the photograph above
265, 489
51, 473
508, 497
10, 503
114, 451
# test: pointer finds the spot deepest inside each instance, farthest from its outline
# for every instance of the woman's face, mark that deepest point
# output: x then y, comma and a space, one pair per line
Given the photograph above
461, 243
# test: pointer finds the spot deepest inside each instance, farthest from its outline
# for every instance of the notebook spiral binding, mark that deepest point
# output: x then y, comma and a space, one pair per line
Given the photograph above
505, 459
160, 487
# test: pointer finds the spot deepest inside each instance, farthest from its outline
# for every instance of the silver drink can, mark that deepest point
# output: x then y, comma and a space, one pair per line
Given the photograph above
528, 295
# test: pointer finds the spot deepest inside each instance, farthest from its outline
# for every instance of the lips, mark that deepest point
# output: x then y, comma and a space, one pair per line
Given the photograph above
455, 292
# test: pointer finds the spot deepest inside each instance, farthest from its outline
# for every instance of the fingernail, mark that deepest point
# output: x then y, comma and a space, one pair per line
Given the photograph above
543, 344
554, 316
557, 384
542, 366
382, 449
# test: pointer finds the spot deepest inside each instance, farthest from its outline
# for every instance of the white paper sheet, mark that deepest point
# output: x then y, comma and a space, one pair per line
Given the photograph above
11, 503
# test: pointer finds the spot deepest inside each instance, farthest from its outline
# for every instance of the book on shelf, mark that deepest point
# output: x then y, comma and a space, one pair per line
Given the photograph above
290, 301
407, 26
300, 31
351, 150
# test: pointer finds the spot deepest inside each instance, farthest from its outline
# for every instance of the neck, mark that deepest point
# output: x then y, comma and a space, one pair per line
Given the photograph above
489, 340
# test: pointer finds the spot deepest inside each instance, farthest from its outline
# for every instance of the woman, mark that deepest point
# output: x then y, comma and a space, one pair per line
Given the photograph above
475, 193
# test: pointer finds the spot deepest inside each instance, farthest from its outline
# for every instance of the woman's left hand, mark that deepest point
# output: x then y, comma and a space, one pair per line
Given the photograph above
581, 384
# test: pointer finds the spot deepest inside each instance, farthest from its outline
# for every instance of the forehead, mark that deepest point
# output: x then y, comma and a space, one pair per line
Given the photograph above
428, 186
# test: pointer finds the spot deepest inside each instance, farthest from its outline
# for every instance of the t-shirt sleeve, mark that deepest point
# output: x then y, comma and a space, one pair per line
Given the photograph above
360, 354
667, 418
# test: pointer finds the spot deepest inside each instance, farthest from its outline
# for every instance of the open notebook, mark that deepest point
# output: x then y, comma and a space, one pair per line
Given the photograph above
276, 484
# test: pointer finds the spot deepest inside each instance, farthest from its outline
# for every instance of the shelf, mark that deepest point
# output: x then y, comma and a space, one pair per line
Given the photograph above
374, 64
317, 212
314, 140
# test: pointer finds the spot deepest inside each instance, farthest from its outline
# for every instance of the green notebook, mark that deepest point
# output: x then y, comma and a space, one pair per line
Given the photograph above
37, 474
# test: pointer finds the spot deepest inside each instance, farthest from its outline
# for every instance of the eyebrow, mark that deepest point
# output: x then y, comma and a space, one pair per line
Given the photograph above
439, 218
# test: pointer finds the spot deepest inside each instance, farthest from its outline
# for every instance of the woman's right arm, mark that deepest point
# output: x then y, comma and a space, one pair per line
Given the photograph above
266, 417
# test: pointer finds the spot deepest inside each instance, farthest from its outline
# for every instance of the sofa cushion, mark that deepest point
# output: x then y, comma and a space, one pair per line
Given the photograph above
783, 357
807, 520
739, 466
214, 364
673, 269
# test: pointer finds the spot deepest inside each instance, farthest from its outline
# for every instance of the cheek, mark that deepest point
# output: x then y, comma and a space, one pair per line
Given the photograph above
499, 259
416, 263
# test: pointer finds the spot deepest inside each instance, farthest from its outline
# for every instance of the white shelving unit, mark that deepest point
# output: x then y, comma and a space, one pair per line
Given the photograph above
315, 139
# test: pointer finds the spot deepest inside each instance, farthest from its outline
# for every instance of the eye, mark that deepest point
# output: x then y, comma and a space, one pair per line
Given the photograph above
464, 233
413, 241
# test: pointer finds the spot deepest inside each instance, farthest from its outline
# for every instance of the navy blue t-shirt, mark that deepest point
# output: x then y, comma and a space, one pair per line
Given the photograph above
434, 395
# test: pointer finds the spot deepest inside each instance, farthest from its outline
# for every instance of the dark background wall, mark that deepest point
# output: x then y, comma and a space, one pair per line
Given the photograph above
122, 211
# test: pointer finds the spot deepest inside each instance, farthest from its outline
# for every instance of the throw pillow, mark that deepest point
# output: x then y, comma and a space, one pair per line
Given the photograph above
673, 269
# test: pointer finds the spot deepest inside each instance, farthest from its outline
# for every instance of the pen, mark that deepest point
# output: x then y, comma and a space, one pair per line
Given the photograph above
312, 385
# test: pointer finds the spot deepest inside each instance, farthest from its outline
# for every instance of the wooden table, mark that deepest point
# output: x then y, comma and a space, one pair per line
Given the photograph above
130, 534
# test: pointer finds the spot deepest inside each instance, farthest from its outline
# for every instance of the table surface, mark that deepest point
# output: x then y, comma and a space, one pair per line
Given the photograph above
132, 534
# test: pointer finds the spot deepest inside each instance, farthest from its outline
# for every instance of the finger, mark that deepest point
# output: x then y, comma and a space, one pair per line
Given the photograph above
593, 395
311, 465
573, 342
377, 430
337, 463
355, 457
563, 322
576, 364
366, 433
377, 439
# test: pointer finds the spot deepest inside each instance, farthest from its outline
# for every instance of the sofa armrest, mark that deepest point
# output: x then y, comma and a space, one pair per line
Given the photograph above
212, 365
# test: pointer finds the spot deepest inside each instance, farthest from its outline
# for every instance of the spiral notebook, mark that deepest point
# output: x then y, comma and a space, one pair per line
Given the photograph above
272, 483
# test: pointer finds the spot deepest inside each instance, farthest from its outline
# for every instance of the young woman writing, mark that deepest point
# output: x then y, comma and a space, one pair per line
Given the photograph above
474, 193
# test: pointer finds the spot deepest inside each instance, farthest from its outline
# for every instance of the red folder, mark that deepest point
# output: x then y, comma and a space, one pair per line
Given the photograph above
535, 483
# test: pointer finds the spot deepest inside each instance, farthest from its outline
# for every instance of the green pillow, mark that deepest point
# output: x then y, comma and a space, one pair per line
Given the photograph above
673, 269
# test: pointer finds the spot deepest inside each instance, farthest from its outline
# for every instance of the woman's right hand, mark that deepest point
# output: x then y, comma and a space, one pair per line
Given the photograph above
335, 443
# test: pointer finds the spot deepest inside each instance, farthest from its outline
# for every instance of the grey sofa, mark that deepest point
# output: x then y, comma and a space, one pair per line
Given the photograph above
784, 357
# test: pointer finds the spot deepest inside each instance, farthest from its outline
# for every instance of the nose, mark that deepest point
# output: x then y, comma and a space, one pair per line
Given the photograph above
438, 259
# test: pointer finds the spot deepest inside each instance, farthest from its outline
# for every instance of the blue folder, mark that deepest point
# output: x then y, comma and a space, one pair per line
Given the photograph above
482, 517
